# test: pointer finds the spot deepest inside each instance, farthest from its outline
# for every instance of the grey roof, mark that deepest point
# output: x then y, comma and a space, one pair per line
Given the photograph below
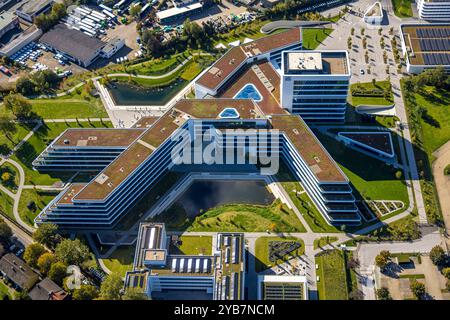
32, 6
2, 250
18, 271
47, 290
6, 18
73, 42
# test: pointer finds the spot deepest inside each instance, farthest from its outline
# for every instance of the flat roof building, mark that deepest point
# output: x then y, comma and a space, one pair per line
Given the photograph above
8, 21
425, 46
77, 46
163, 275
274, 287
177, 12
30, 9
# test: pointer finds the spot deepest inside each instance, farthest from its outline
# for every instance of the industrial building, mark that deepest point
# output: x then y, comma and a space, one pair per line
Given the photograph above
178, 12
425, 46
30, 9
8, 22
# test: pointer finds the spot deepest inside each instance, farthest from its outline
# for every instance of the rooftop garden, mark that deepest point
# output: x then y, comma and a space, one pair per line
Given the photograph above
332, 284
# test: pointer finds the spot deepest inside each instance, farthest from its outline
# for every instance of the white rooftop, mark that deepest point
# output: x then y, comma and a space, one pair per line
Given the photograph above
305, 61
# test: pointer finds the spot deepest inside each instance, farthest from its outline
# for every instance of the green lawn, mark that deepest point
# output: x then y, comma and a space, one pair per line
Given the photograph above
332, 284
158, 66
193, 245
262, 261
313, 37
402, 8
39, 141
7, 143
322, 242
235, 218
40, 199
13, 182
367, 86
6, 205
436, 127
5, 291
372, 178
121, 260
303, 202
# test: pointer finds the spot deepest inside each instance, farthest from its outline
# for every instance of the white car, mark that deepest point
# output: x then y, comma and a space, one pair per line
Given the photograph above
361, 72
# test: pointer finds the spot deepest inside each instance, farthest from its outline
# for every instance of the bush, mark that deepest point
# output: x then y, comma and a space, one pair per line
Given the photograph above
437, 255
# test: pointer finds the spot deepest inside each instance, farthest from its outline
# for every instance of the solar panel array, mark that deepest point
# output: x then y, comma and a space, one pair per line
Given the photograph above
433, 32
436, 58
434, 44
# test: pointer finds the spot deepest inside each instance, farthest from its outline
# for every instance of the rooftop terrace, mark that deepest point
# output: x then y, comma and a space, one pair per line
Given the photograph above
98, 137
237, 56
310, 149
315, 62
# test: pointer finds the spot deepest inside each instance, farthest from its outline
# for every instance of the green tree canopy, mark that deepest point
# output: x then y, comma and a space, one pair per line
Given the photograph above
57, 272
111, 287
134, 294
437, 255
45, 262
46, 234
383, 294
72, 252
7, 126
18, 104
418, 289
86, 292
32, 254
5, 231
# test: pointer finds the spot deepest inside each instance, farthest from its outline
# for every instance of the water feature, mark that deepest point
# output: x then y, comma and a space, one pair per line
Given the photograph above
125, 94
203, 195
249, 91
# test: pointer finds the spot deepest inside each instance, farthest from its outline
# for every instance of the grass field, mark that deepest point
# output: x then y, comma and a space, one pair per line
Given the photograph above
7, 143
235, 218
367, 86
313, 37
262, 261
332, 284
13, 181
303, 202
322, 242
39, 141
6, 205
121, 260
193, 245
158, 66
372, 178
5, 291
402, 8
40, 199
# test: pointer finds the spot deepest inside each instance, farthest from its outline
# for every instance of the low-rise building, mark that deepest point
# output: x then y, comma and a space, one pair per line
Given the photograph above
162, 275
8, 22
77, 46
282, 287
47, 290
425, 46
178, 12
18, 272
112, 47
29, 35
30, 9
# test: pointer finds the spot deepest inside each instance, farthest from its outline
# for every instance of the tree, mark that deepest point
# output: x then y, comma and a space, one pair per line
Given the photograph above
111, 287
57, 272
72, 252
5, 177
437, 255
134, 294
25, 86
135, 11
46, 234
398, 175
5, 231
382, 259
447, 285
86, 292
32, 254
446, 272
45, 262
418, 289
383, 294
18, 104
7, 126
